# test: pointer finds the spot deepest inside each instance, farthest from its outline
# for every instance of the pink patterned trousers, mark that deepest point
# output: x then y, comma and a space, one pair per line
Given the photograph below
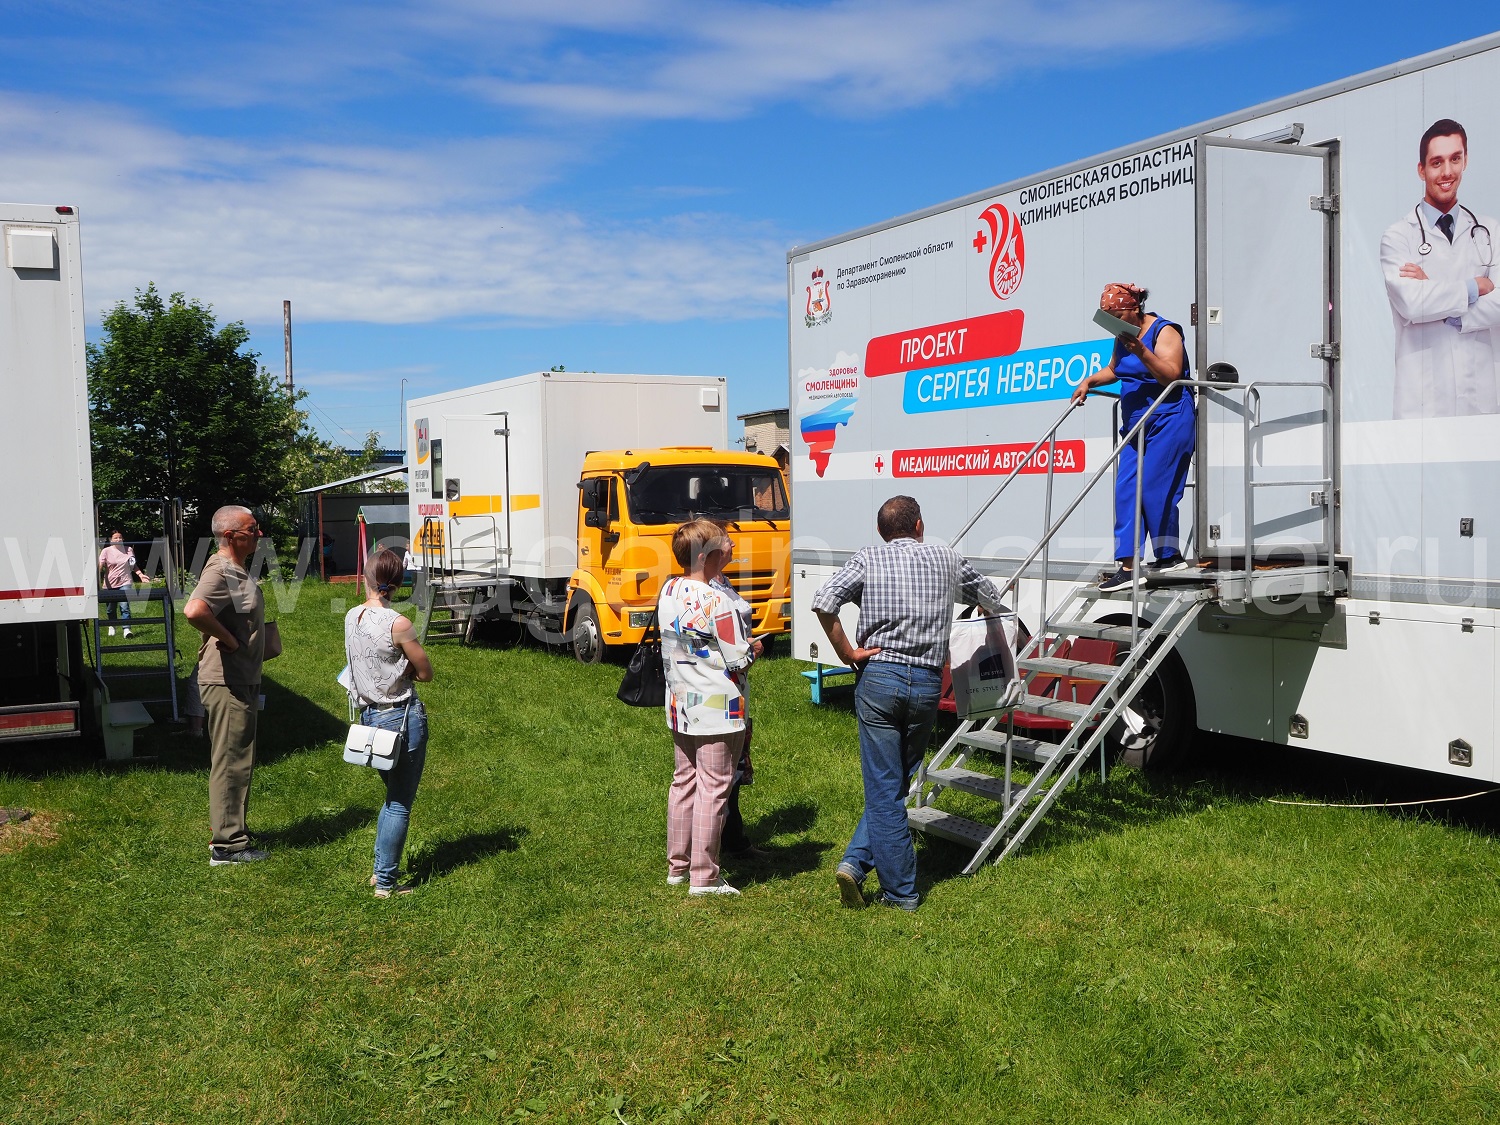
697, 803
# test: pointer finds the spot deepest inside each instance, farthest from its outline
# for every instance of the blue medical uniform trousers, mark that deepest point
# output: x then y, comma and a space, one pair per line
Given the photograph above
1170, 436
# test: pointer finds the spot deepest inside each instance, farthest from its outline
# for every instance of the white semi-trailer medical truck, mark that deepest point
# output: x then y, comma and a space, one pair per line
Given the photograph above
48, 577
1346, 480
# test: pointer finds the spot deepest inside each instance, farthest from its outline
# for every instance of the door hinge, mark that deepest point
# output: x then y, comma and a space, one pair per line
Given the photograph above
1324, 351
1193, 315
1328, 204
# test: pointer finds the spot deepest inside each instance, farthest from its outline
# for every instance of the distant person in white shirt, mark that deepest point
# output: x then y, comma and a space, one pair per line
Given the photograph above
1438, 262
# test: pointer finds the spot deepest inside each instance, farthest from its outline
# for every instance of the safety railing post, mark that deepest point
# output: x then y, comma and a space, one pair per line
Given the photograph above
1047, 526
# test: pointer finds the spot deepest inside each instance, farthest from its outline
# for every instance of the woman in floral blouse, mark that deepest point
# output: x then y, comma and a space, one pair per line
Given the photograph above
706, 652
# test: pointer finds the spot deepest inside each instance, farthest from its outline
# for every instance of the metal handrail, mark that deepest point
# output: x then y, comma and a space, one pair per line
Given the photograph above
1137, 433
1325, 547
456, 550
434, 556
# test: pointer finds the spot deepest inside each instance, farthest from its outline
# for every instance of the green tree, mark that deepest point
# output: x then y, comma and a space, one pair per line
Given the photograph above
179, 408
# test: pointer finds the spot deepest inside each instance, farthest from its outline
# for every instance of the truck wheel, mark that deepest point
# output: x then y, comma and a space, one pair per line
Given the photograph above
1156, 731
587, 640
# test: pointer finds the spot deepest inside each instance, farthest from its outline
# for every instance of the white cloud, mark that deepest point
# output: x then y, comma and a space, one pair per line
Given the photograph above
609, 60
366, 233
849, 57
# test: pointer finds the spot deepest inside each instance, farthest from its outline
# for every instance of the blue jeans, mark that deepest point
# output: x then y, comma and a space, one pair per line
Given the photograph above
120, 611
401, 782
895, 705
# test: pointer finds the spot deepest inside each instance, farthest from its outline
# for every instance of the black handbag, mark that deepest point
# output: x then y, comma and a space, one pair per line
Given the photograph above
645, 680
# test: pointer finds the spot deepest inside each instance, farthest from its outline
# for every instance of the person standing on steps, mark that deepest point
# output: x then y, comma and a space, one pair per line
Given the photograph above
1144, 364
117, 568
905, 590
229, 609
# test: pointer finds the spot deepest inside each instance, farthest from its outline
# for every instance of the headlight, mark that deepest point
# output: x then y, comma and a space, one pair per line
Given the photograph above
640, 618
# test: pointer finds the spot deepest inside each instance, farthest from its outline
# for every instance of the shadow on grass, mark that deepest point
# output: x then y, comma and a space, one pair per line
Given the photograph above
798, 816
292, 723
776, 862
322, 827
1245, 770
1222, 770
779, 861
439, 859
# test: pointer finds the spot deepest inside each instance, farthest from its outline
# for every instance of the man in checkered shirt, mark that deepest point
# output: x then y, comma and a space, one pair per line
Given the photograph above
905, 590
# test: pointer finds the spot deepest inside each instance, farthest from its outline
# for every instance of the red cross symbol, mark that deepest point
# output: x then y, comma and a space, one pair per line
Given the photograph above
980, 242
879, 464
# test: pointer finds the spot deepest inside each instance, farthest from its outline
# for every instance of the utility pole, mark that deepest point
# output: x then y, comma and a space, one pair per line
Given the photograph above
286, 322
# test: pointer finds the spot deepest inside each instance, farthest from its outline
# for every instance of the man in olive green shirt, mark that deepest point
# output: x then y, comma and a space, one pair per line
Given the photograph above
228, 608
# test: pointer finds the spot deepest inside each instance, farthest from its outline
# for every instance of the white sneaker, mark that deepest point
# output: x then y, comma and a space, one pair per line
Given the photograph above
676, 880
111, 630
126, 633
719, 888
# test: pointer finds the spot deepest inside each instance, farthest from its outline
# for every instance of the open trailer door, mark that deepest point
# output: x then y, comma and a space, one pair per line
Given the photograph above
1266, 304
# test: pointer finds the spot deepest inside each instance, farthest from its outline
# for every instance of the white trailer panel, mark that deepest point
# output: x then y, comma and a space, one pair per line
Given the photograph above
47, 548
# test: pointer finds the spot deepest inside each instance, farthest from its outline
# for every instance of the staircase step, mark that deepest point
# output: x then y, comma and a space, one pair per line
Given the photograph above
959, 829
1053, 708
133, 648
133, 673
1120, 634
972, 781
1031, 749
1075, 669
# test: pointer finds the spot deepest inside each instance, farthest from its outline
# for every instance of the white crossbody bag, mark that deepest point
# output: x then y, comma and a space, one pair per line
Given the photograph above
375, 746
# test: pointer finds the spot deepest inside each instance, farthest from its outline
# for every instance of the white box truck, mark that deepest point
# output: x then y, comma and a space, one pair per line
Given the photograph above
48, 574
550, 499
1296, 242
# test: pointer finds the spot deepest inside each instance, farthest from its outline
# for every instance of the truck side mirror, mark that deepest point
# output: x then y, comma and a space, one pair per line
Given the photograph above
596, 517
592, 492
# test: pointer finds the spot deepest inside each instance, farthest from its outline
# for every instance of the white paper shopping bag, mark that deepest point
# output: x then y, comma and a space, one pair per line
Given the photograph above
982, 656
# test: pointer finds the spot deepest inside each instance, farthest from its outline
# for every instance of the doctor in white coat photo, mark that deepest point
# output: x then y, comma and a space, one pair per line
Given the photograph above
1438, 262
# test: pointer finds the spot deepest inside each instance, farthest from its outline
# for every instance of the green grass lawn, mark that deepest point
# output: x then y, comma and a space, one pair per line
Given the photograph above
1164, 950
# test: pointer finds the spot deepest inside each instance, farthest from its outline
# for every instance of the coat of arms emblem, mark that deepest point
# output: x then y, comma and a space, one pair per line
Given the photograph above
819, 300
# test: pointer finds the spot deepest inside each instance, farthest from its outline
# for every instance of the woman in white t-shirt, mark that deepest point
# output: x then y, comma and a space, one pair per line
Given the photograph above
385, 657
706, 652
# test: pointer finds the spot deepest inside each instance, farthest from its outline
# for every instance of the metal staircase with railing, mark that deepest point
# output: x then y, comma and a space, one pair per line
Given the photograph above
457, 578
140, 667
1024, 775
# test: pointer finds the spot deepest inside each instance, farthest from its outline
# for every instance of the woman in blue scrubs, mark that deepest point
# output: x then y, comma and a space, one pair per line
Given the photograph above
1145, 364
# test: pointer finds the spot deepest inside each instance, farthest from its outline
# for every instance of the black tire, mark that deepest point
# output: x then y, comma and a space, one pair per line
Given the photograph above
585, 636
1156, 732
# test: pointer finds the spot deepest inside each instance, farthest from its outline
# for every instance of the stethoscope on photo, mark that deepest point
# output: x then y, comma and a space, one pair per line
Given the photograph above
1487, 255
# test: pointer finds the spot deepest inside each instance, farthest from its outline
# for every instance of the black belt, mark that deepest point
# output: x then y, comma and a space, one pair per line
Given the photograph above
389, 706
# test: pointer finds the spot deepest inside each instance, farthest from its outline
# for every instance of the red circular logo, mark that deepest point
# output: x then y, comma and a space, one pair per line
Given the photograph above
1008, 253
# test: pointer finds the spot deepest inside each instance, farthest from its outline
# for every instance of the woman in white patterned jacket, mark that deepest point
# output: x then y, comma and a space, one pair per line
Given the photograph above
706, 653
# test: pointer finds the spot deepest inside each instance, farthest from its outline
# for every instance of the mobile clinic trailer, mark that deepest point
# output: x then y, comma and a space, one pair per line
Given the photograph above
550, 499
1346, 482
48, 580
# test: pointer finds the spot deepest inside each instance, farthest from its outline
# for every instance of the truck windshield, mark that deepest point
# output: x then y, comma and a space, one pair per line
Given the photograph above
677, 493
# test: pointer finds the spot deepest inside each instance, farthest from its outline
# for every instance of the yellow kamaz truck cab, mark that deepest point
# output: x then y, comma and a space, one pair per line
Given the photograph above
629, 504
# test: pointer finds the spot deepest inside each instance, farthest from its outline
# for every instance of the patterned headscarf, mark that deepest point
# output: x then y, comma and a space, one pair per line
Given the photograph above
1121, 296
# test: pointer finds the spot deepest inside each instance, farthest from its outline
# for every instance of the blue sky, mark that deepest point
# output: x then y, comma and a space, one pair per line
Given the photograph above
459, 191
